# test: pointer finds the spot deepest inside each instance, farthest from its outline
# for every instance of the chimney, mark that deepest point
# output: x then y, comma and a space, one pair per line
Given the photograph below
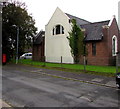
119, 14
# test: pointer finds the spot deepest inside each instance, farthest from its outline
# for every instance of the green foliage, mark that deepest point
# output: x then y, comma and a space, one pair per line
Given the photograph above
15, 15
76, 43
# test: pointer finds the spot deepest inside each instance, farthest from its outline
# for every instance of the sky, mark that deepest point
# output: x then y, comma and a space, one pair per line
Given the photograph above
90, 10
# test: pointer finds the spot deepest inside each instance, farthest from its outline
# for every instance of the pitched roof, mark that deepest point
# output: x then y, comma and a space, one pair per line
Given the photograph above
78, 20
39, 38
94, 30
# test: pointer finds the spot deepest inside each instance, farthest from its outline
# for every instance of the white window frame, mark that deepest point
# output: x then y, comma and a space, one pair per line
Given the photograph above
114, 47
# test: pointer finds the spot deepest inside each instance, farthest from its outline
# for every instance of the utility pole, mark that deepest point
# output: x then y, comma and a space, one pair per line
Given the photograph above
2, 4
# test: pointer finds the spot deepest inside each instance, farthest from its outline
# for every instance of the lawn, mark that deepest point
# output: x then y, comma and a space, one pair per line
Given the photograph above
103, 70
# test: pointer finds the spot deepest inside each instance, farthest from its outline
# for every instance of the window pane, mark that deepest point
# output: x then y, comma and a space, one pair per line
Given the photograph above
93, 49
113, 45
58, 29
62, 30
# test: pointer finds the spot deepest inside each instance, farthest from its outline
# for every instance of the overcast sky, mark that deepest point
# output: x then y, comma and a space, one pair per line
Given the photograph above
91, 10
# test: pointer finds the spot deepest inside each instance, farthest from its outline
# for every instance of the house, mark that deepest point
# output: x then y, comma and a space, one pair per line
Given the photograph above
102, 39
38, 46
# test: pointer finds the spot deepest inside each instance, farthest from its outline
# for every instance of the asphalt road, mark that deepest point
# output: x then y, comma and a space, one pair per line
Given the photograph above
21, 86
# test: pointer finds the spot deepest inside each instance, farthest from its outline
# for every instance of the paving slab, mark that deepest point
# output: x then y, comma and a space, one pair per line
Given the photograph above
97, 80
3, 104
111, 83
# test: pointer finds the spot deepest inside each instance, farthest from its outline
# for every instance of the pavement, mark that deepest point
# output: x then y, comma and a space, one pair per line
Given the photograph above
81, 77
3, 104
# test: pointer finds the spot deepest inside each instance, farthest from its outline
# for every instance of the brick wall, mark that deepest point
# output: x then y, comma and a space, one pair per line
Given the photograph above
101, 57
38, 52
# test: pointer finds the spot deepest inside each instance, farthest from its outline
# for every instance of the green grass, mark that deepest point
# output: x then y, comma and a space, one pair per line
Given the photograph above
100, 70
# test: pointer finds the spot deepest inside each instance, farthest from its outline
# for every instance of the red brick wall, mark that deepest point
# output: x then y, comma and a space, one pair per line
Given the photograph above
101, 57
38, 52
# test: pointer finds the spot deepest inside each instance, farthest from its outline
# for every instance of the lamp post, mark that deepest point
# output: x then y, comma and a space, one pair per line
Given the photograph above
17, 45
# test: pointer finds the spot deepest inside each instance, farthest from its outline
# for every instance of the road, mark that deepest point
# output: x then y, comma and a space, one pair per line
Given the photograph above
23, 87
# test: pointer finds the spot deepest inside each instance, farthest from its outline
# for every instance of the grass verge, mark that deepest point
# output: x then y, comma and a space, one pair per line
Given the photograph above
77, 68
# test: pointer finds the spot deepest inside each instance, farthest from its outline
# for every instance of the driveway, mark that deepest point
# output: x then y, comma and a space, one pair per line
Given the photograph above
26, 86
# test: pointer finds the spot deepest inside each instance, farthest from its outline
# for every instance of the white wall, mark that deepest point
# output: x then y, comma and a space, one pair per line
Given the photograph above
57, 45
119, 14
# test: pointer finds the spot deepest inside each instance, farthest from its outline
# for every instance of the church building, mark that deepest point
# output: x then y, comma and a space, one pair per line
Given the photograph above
102, 39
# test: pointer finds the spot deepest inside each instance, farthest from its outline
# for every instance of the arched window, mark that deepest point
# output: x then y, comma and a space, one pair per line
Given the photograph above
114, 45
58, 29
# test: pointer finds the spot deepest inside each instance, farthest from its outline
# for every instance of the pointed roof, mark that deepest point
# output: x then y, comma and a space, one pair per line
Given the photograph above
39, 38
94, 30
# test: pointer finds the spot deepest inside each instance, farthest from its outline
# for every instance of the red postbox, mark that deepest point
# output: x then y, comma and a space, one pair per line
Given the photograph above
4, 58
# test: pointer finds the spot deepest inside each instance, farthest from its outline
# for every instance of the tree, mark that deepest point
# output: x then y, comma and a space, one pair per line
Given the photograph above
76, 43
15, 16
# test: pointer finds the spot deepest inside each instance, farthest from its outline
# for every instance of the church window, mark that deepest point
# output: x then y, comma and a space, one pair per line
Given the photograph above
58, 29
94, 49
114, 45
